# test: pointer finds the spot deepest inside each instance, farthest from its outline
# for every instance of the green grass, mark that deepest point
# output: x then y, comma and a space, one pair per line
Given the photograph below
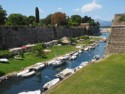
30, 59
106, 77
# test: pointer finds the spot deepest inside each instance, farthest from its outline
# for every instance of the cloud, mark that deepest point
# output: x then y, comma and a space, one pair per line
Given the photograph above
76, 10
41, 11
91, 7
59, 9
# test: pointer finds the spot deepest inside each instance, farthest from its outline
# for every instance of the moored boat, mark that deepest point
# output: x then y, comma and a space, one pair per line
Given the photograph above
65, 73
97, 57
31, 92
73, 57
57, 63
4, 60
39, 66
84, 63
86, 49
51, 83
22, 72
28, 74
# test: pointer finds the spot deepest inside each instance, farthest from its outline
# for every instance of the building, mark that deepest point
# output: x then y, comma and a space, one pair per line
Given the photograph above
85, 25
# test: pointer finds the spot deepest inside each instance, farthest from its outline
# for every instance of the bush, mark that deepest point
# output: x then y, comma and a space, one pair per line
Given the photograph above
122, 18
38, 50
73, 40
84, 37
5, 54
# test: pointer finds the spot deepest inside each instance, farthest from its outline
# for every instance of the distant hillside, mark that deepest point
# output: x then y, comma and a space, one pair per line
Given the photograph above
104, 23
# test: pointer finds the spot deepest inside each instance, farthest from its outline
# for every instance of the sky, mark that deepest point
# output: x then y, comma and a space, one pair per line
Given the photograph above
97, 9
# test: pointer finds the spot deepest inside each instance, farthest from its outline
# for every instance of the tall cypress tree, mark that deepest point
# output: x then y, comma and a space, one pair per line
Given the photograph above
37, 14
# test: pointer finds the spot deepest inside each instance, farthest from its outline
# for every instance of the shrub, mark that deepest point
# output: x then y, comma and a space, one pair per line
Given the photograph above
5, 54
122, 18
38, 50
84, 37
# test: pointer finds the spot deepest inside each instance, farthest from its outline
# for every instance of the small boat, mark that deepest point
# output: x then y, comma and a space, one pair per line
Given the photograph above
84, 63
89, 47
18, 57
28, 74
50, 62
80, 51
93, 47
4, 60
57, 63
51, 83
97, 57
39, 66
75, 54
22, 72
73, 57
65, 73
78, 67
86, 49
93, 60
104, 39
31, 92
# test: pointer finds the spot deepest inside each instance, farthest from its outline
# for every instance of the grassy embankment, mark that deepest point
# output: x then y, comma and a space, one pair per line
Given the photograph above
30, 59
105, 77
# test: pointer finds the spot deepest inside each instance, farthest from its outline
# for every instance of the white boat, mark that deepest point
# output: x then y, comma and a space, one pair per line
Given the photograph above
57, 63
86, 49
18, 57
51, 83
23, 72
4, 60
75, 54
73, 57
93, 60
28, 74
66, 72
39, 66
50, 62
97, 57
80, 51
78, 68
89, 47
84, 63
31, 92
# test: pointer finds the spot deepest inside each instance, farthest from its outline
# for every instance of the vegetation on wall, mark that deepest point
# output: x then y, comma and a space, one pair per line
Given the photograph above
122, 18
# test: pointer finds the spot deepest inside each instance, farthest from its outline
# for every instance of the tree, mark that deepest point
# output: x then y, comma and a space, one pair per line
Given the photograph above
17, 19
31, 20
86, 19
58, 18
2, 16
75, 20
37, 14
47, 20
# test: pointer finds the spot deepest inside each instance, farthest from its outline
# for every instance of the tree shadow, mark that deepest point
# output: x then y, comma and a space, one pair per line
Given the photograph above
2, 73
